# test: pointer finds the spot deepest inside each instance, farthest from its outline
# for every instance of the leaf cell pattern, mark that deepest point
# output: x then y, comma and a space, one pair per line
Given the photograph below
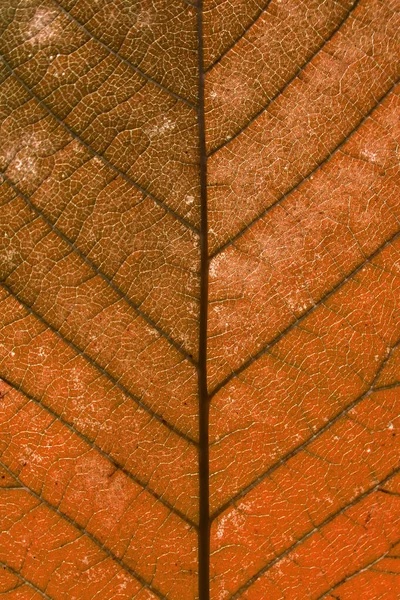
200, 300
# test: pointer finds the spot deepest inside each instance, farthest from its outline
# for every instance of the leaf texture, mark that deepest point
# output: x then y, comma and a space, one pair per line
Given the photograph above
200, 300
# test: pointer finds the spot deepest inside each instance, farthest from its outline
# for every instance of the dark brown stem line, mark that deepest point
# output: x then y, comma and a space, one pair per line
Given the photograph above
204, 468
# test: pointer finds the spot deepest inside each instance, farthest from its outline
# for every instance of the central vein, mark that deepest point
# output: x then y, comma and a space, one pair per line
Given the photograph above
204, 509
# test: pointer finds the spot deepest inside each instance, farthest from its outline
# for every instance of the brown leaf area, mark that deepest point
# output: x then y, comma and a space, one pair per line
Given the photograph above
200, 300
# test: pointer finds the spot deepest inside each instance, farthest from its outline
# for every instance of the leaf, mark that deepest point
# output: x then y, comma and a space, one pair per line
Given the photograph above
200, 340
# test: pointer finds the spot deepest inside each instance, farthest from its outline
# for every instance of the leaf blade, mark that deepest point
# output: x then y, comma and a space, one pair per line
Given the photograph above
199, 299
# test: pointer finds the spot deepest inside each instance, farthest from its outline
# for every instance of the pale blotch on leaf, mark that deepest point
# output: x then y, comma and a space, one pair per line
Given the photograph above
161, 129
369, 155
43, 28
144, 18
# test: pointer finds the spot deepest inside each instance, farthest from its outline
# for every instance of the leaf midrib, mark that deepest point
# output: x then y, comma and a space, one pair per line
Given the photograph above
204, 463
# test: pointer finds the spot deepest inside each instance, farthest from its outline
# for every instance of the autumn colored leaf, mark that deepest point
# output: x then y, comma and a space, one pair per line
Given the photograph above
200, 300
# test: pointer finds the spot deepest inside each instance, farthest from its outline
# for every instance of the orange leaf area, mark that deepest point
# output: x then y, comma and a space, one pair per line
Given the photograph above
200, 300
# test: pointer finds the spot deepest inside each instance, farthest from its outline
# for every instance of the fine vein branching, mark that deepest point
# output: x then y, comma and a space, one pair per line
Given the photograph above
115, 463
74, 135
23, 580
354, 502
237, 40
115, 381
96, 269
202, 446
121, 58
317, 168
84, 532
303, 445
299, 320
366, 567
285, 87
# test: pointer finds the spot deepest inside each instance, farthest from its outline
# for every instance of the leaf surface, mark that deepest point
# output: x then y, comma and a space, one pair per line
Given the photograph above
200, 300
